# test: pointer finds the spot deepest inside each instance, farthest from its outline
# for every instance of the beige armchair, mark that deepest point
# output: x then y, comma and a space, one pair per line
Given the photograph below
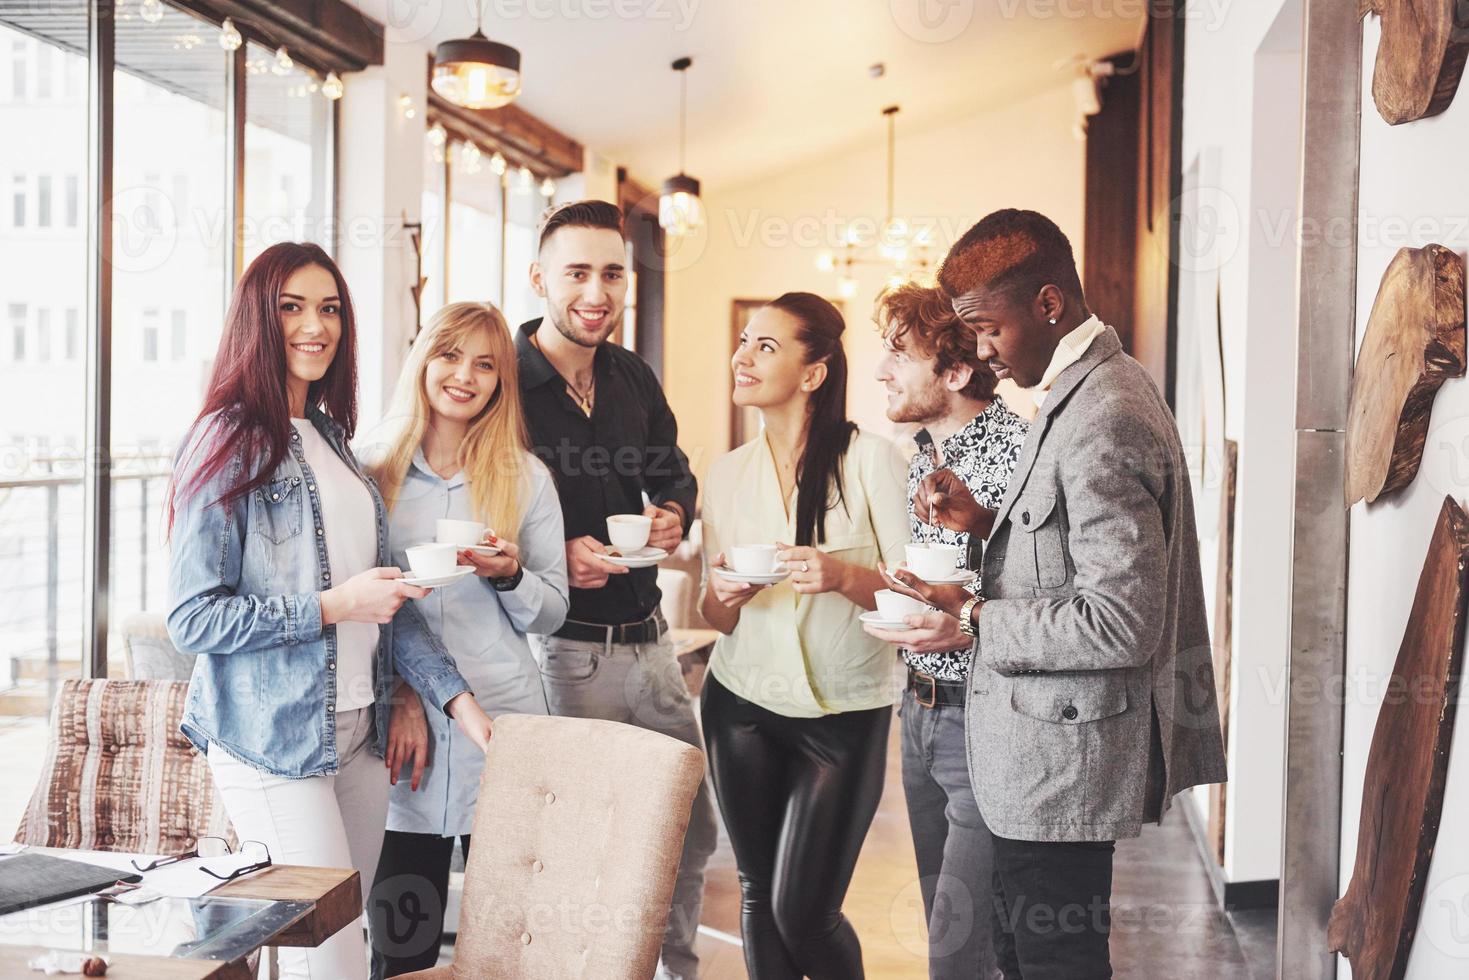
577, 838
119, 775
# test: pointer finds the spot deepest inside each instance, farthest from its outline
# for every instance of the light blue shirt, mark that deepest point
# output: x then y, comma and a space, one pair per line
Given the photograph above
483, 630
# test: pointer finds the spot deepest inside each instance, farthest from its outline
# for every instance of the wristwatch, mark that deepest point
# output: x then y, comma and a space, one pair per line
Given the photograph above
967, 625
511, 582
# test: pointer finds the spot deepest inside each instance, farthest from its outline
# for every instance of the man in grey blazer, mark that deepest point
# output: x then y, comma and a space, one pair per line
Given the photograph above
1091, 699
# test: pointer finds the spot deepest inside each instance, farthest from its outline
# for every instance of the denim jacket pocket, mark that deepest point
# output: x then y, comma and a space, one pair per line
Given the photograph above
279, 508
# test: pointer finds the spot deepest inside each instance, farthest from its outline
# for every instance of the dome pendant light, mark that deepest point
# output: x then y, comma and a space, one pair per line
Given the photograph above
475, 72
679, 210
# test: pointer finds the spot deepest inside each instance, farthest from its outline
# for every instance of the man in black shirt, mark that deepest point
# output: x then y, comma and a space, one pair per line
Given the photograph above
599, 420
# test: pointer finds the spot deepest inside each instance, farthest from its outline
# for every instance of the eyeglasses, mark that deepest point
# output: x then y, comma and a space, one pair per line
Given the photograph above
208, 847
246, 869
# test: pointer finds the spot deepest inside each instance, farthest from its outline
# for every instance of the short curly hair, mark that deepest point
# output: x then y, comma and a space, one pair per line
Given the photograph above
910, 313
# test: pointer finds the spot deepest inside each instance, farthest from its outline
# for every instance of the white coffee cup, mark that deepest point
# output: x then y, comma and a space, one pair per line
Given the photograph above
752, 559
432, 560
465, 534
893, 606
933, 561
629, 532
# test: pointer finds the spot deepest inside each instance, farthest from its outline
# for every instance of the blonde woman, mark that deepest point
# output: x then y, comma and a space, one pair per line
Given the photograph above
455, 447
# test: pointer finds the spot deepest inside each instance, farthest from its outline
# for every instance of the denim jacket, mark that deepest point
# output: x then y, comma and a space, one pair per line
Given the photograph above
245, 583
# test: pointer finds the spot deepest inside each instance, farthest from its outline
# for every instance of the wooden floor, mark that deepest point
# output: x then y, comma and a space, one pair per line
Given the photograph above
1166, 925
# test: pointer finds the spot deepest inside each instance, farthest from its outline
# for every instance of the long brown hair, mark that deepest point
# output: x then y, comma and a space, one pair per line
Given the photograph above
247, 388
495, 451
828, 432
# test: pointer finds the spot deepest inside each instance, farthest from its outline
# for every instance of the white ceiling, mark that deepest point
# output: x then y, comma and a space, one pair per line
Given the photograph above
774, 82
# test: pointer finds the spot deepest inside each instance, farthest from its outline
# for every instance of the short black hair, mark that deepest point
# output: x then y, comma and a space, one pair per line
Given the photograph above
1013, 252
579, 214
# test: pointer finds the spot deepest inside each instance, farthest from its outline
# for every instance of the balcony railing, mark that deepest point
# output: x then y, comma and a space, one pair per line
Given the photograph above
37, 518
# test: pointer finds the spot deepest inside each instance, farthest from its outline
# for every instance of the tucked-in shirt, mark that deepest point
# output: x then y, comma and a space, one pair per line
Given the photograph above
483, 630
982, 454
805, 656
604, 463
1067, 353
350, 522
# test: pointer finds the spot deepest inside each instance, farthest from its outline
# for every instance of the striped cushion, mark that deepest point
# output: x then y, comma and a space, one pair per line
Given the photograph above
119, 775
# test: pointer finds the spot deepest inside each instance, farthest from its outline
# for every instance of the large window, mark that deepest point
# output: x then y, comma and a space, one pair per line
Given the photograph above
475, 217
288, 163
523, 207
41, 393
170, 249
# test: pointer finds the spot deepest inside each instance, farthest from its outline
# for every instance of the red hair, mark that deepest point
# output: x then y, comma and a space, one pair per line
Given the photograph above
247, 388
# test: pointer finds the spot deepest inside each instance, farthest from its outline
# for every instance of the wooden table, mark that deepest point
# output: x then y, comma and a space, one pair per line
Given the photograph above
332, 895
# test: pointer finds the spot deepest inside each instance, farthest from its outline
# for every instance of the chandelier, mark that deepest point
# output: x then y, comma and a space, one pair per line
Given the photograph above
902, 249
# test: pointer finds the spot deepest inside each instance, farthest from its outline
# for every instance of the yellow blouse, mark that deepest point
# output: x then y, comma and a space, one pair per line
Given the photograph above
805, 656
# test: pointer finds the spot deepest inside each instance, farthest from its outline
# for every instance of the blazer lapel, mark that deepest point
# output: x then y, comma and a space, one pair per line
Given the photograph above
1103, 347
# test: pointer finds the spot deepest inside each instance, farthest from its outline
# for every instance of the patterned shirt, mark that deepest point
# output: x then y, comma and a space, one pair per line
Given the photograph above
983, 454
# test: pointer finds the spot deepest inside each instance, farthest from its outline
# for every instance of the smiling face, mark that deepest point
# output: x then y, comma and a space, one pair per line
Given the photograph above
311, 324
582, 275
460, 380
770, 365
916, 392
1015, 339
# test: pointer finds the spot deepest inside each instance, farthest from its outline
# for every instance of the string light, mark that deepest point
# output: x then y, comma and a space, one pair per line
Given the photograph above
548, 188
229, 36
151, 11
527, 180
498, 165
469, 158
283, 62
405, 102
437, 135
332, 86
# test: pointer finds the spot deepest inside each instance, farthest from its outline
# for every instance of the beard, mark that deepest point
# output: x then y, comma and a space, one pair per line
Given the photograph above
566, 325
921, 407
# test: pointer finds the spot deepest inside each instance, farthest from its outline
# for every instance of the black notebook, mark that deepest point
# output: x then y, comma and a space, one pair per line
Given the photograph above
28, 880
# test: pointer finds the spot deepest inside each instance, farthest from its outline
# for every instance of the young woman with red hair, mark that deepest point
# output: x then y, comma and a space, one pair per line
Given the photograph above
279, 582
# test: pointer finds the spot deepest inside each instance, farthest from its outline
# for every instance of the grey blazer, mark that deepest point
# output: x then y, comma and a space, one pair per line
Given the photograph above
1091, 702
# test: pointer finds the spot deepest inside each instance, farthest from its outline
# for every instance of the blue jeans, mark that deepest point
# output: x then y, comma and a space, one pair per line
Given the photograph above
953, 845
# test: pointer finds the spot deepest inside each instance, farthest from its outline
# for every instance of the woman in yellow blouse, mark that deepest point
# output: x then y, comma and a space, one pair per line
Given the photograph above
798, 699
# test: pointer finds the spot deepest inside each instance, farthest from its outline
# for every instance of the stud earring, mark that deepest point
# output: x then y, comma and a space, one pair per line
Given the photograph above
1053, 321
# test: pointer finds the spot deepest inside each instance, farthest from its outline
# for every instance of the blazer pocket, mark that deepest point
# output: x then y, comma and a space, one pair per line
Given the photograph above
1038, 519
1069, 699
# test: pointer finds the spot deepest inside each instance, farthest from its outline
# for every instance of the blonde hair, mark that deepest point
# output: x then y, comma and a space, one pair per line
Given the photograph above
495, 453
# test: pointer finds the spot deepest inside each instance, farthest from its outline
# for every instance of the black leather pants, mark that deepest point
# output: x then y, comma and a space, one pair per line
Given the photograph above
798, 795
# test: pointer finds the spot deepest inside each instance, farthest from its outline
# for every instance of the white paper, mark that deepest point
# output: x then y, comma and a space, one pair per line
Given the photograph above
182, 879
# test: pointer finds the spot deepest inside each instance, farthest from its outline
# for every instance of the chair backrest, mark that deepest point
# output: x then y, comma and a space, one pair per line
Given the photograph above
151, 655
119, 775
577, 836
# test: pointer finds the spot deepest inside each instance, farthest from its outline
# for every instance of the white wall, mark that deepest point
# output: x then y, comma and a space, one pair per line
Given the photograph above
1413, 192
1240, 129
763, 239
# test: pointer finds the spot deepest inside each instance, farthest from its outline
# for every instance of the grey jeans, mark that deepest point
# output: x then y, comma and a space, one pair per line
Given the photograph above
641, 684
955, 853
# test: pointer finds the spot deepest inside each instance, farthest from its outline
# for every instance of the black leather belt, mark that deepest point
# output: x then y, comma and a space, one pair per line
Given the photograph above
930, 692
646, 631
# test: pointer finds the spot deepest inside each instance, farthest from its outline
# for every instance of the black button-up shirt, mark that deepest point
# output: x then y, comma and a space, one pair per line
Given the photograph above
604, 464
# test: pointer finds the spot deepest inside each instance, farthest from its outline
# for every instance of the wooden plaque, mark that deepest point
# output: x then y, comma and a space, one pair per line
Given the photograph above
1415, 342
1374, 922
1421, 57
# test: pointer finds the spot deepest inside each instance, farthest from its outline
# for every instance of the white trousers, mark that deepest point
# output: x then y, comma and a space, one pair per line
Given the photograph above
321, 821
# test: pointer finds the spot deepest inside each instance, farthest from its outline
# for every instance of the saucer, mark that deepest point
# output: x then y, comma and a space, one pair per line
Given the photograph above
642, 558
434, 581
753, 578
875, 619
488, 550
961, 576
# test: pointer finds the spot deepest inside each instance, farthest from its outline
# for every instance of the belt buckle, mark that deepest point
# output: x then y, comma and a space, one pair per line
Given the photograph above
933, 690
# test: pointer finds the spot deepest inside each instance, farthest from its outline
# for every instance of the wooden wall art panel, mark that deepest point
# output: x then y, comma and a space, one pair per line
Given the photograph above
1421, 57
1414, 343
1402, 799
